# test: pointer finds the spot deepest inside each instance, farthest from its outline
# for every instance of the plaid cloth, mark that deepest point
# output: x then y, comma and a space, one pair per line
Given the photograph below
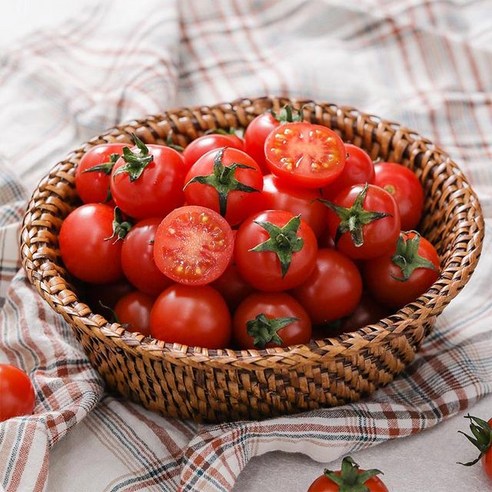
424, 64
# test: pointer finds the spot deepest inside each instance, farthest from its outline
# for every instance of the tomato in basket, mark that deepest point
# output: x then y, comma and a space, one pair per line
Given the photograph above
147, 180
193, 245
89, 247
304, 154
226, 180
275, 250
94, 170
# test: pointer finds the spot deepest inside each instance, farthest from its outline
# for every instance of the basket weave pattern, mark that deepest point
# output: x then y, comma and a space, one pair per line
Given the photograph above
220, 385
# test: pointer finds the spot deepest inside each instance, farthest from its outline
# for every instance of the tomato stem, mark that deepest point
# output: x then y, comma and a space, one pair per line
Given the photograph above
223, 179
264, 330
482, 437
283, 241
136, 161
105, 167
350, 478
354, 218
407, 256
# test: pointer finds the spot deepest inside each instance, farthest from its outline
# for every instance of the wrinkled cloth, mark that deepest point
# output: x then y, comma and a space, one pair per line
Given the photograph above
423, 64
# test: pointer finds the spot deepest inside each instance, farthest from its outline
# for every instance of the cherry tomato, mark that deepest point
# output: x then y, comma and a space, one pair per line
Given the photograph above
274, 319
147, 181
364, 221
333, 289
275, 250
193, 316
137, 258
481, 438
226, 180
406, 189
304, 154
212, 141
400, 277
358, 169
88, 247
278, 196
133, 310
255, 135
193, 245
17, 396
94, 170
349, 477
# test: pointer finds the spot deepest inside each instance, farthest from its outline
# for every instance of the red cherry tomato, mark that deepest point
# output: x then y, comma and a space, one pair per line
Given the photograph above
364, 221
88, 247
226, 180
278, 196
133, 310
94, 170
275, 250
203, 144
306, 155
406, 189
148, 181
137, 258
194, 316
265, 320
17, 396
333, 289
367, 312
255, 135
400, 277
358, 169
193, 245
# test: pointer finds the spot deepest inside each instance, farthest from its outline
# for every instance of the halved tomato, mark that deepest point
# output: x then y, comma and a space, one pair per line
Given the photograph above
305, 154
193, 245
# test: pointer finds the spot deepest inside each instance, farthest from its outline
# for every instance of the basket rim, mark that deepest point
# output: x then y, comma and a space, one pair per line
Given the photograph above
387, 329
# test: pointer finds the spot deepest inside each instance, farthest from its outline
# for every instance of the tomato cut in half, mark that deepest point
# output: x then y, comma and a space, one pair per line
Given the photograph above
193, 245
305, 154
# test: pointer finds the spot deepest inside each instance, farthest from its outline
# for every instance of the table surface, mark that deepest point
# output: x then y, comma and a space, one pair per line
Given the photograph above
423, 462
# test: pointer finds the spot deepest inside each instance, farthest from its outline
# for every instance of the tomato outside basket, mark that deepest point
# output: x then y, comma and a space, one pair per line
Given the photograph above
224, 385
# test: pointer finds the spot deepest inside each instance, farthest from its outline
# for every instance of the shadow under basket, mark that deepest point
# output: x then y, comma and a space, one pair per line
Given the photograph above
224, 385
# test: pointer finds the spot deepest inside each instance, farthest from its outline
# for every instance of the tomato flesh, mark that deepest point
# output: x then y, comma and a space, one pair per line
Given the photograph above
193, 245
304, 154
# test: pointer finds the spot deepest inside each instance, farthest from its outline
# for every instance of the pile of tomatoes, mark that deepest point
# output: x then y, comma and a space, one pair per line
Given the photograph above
272, 238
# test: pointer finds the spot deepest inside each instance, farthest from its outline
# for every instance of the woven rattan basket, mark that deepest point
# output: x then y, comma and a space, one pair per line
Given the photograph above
221, 385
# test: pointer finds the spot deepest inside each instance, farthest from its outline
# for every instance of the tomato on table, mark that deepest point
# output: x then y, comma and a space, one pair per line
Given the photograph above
226, 180
304, 201
333, 290
275, 250
16, 393
276, 319
211, 141
133, 311
137, 258
147, 180
402, 183
364, 221
89, 247
400, 277
93, 172
358, 169
482, 439
304, 154
349, 478
193, 316
193, 245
